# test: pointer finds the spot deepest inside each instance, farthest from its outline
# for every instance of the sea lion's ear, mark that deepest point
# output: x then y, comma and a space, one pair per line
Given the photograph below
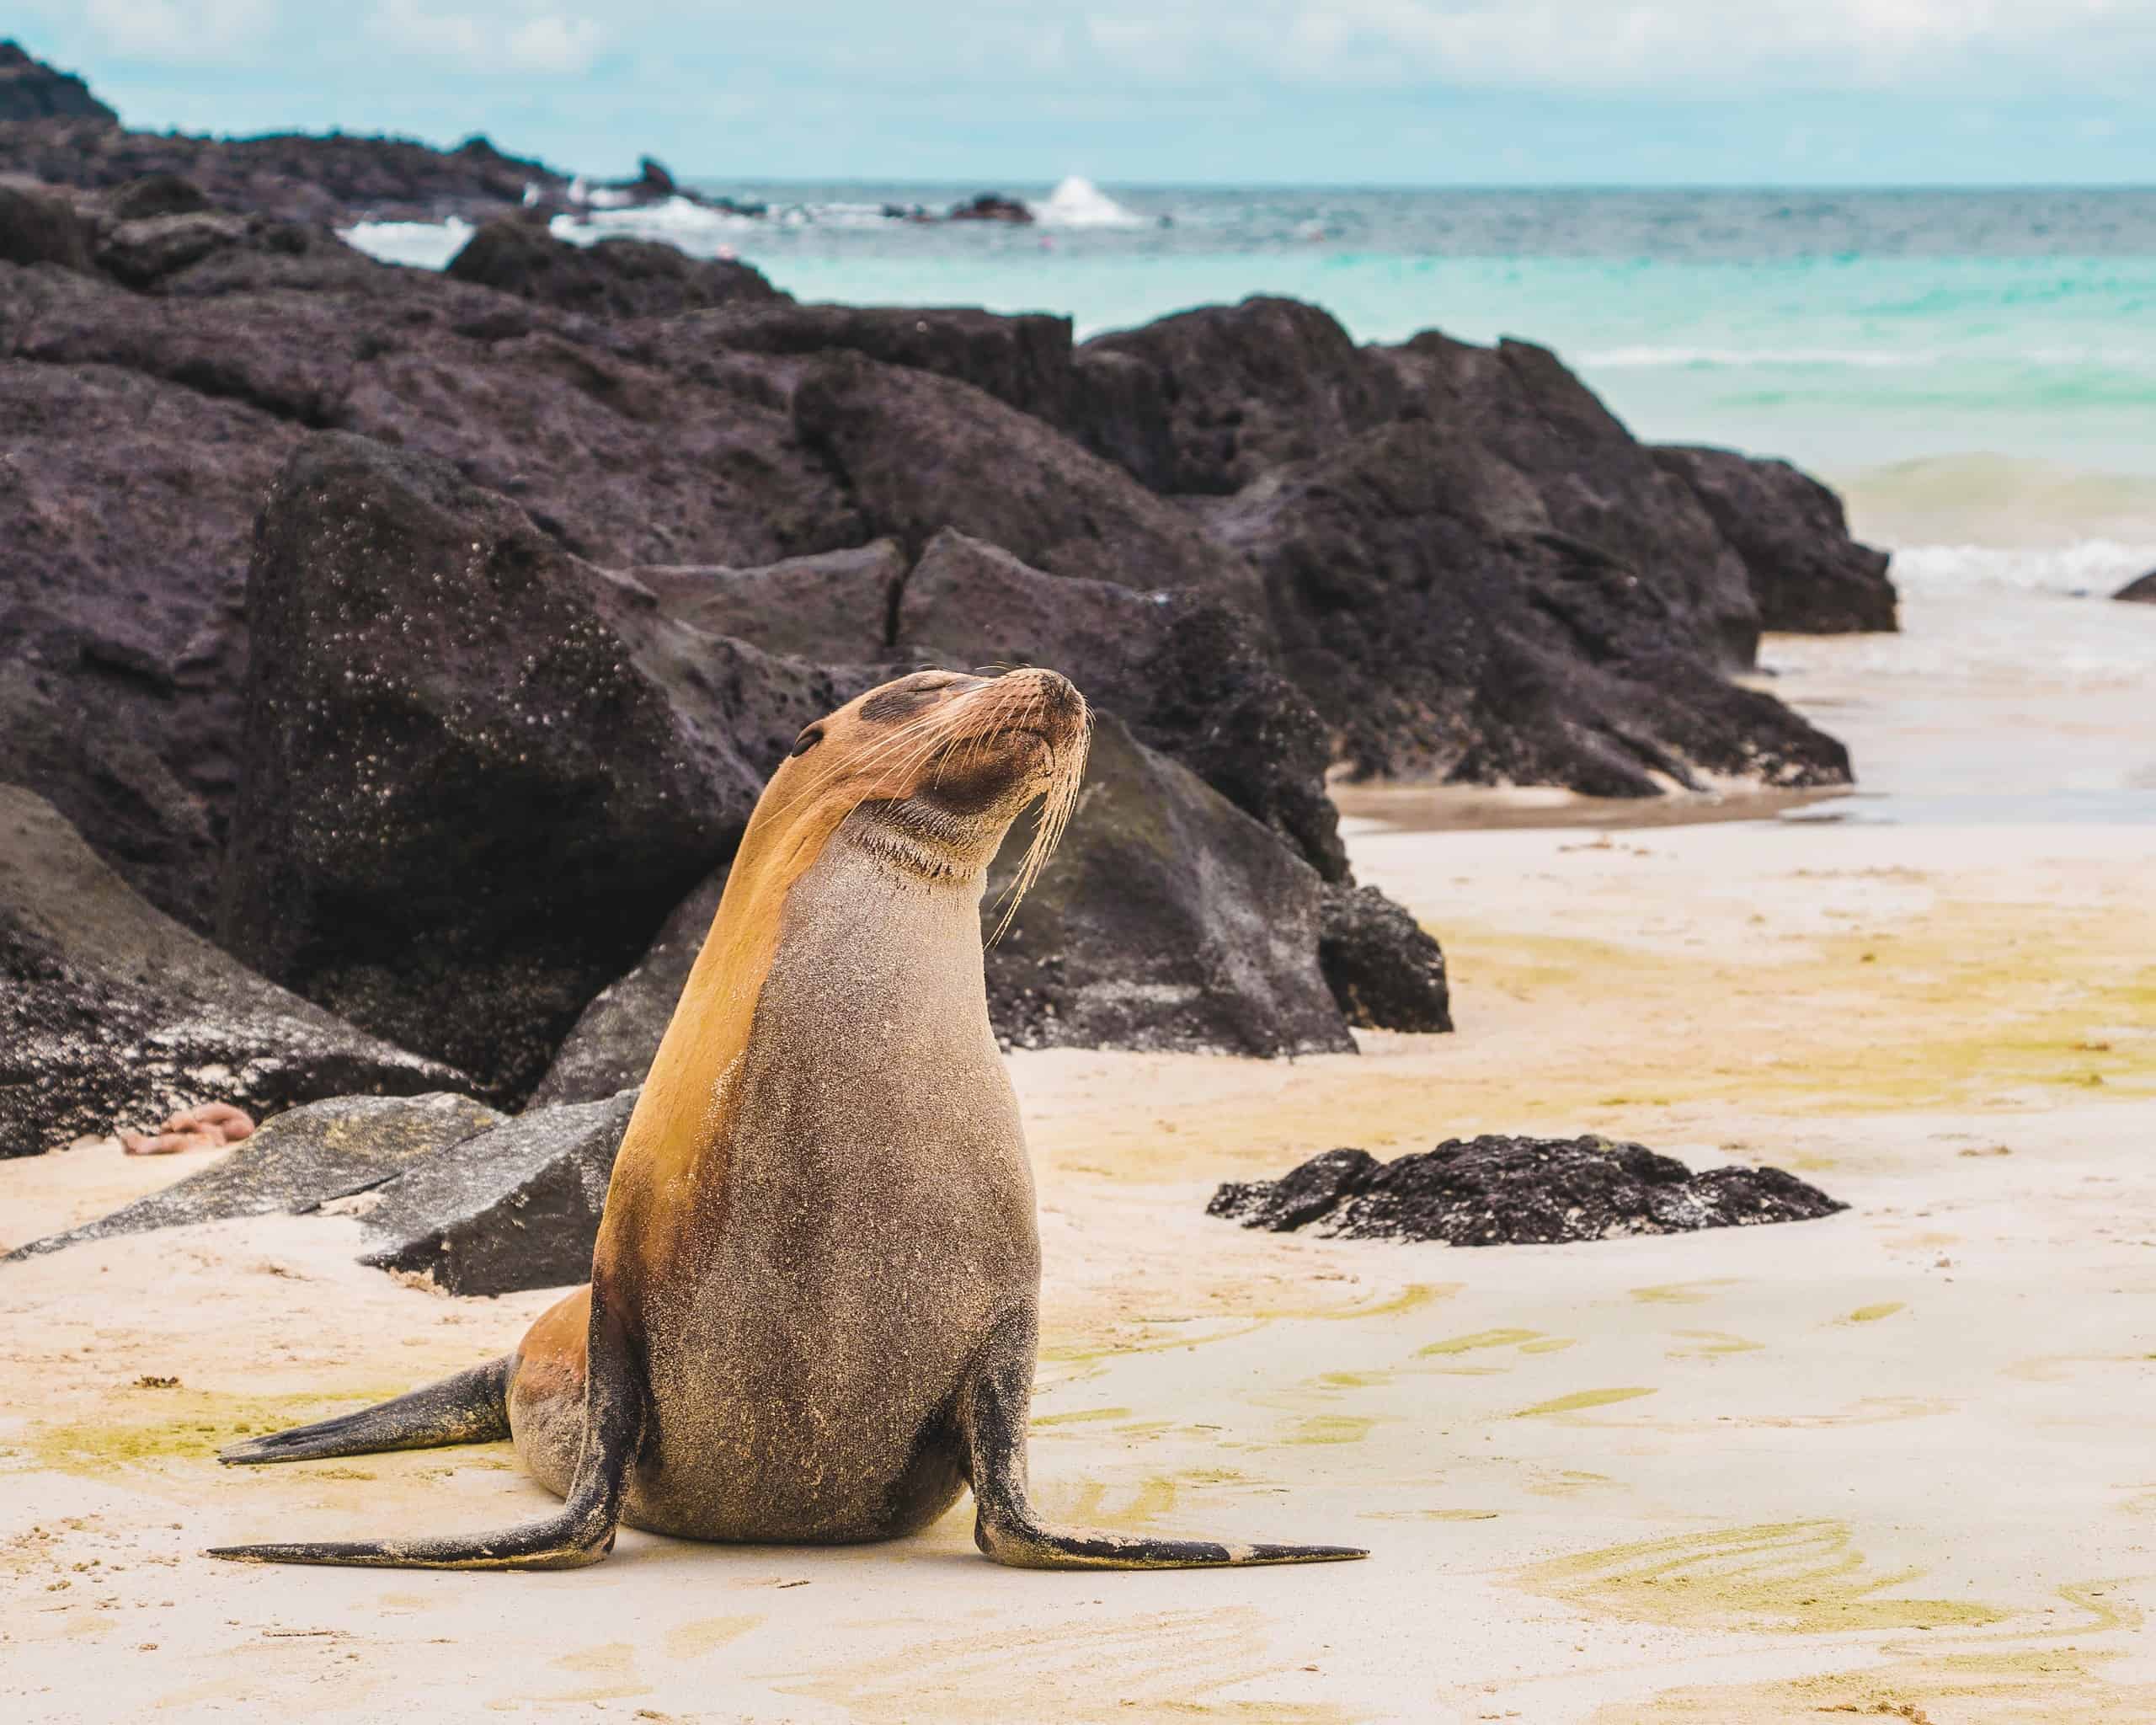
807, 739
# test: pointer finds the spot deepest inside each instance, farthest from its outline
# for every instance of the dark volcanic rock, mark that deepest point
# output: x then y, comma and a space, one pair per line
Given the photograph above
1446, 626
1500, 1191
1544, 432
38, 226
1024, 361
617, 1036
479, 772
990, 207
29, 89
334, 180
1807, 573
299, 1161
112, 1015
919, 453
1168, 920
1182, 669
515, 1207
1384, 969
1245, 388
156, 195
834, 607
2140, 591
614, 278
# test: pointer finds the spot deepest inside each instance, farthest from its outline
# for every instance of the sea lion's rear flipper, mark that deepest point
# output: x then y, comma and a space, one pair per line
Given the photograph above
472, 1407
992, 1414
581, 1532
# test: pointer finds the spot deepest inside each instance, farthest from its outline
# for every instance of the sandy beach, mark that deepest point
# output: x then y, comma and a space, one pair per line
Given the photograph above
1893, 1463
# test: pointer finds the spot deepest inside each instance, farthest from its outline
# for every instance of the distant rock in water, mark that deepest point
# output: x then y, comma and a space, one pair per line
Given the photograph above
29, 89
1501, 1191
990, 207
2140, 591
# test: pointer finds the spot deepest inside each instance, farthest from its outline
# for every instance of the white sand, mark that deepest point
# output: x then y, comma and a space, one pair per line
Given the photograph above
1898, 1462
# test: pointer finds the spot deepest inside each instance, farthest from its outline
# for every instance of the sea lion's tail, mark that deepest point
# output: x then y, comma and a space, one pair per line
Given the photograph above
472, 1407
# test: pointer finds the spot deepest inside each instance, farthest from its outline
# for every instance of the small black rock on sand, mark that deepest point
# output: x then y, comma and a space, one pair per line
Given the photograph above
1501, 1191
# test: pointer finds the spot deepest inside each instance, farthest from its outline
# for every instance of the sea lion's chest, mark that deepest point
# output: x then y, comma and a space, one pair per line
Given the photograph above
875, 1214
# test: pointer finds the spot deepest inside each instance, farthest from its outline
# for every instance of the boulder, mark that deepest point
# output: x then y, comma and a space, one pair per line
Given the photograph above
1386, 971
1246, 388
1169, 919
478, 773
1183, 670
617, 1036
918, 453
1807, 573
1501, 1191
1545, 434
2140, 591
1447, 627
29, 89
38, 226
156, 195
112, 1015
303, 1159
516, 1206
616, 277
835, 607
1023, 362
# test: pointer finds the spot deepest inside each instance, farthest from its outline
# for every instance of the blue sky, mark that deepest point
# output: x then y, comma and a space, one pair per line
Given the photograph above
1006, 92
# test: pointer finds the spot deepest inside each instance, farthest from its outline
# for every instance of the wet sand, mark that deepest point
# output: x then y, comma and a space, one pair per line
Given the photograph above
1893, 1463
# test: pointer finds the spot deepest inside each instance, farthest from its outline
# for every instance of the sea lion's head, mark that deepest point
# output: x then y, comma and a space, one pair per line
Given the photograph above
931, 770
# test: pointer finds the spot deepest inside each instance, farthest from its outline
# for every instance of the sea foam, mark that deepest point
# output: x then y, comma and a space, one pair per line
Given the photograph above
1077, 202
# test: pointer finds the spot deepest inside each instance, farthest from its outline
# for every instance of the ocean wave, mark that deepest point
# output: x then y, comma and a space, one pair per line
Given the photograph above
695, 228
1077, 202
2095, 567
423, 245
1639, 359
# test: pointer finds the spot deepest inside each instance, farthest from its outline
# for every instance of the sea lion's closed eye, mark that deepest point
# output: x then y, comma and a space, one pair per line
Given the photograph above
807, 739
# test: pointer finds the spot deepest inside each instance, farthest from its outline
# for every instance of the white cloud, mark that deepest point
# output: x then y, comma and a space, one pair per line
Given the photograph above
183, 30
528, 38
1618, 44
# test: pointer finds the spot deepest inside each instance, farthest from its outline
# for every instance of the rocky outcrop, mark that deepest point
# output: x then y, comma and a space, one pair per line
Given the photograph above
314, 1154
38, 226
29, 89
834, 607
460, 818
1239, 391
1023, 360
112, 1015
334, 180
2140, 591
1501, 1191
516, 1206
1807, 574
1448, 628
617, 1036
1168, 920
1385, 969
615, 277
919, 453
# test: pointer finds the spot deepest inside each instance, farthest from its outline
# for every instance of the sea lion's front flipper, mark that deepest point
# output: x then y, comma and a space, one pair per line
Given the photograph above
992, 1414
616, 1404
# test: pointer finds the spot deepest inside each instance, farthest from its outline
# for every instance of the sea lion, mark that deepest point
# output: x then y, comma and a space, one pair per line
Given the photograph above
812, 1305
